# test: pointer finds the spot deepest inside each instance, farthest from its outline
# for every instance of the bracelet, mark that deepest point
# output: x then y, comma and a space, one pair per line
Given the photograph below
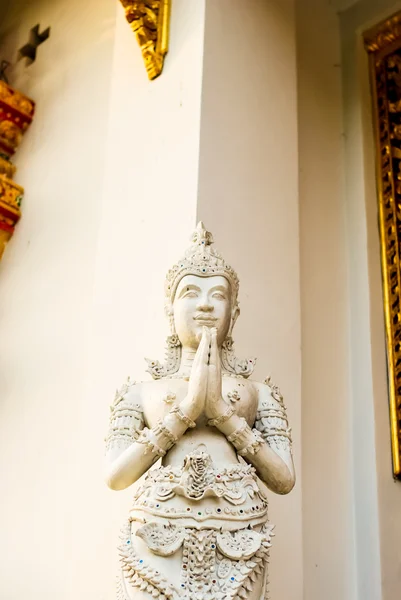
254, 445
236, 435
221, 418
162, 429
188, 422
150, 444
245, 440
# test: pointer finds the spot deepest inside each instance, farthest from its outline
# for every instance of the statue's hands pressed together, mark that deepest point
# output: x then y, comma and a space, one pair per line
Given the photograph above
215, 406
193, 404
205, 382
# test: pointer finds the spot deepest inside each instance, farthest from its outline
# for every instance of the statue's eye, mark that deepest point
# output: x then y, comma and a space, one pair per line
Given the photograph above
190, 294
219, 296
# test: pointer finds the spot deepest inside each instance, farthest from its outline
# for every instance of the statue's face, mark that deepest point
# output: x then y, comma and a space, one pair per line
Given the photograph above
199, 302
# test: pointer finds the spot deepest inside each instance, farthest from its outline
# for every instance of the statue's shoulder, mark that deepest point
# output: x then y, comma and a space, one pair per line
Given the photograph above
270, 396
133, 394
129, 395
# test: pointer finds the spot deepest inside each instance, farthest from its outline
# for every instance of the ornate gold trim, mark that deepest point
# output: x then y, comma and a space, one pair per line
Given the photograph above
7, 167
149, 20
11, 194
10, 200
13, 99
16, 114
381, 36
384, 46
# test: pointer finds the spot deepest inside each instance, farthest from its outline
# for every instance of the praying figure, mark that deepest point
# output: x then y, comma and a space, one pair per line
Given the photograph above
198, 526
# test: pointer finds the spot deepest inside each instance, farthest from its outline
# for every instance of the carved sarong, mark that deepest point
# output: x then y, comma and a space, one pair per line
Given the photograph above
212, 521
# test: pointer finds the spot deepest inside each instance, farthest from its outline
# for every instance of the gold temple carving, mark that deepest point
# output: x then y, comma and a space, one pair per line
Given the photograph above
149, 21
16, 114
383, 44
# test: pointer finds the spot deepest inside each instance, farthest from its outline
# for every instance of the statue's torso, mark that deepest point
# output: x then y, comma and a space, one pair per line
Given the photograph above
198, 521
198, 525
157, 399
202, 482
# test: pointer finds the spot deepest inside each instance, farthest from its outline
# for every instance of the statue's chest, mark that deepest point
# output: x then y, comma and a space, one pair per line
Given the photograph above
159, 398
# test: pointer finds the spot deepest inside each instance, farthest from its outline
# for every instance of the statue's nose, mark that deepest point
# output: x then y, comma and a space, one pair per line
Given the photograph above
205, 306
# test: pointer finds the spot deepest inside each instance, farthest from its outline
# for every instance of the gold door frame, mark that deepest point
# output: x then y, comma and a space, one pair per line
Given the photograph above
383, 44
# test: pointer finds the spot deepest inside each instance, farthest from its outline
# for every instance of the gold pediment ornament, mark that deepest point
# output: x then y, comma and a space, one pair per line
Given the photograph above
381, 36
150, 21
383, 43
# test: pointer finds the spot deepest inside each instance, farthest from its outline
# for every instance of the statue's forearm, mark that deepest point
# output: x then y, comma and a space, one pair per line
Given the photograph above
277, 473
152, 444
129, 466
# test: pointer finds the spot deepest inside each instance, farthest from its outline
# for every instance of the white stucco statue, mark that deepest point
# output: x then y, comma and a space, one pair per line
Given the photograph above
198, 528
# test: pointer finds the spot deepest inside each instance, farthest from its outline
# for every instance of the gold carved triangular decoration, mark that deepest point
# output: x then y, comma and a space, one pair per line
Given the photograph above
149, 21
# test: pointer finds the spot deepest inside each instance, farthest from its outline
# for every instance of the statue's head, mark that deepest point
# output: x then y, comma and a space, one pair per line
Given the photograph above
201, 289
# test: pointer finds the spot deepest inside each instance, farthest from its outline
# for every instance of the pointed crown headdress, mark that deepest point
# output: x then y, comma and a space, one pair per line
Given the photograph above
203, 260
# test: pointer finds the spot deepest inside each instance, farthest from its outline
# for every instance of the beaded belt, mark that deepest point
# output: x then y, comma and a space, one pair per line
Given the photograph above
201, 491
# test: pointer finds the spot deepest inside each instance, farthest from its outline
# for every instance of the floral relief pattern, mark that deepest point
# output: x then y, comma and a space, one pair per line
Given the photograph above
215, 566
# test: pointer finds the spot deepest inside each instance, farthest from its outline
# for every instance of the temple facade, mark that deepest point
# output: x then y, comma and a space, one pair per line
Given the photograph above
261, 124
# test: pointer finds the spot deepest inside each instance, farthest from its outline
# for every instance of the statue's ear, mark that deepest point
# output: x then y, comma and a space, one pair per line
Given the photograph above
234, 316
169, 310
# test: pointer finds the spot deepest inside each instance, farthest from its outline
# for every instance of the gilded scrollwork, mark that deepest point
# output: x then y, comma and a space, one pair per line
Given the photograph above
381, 36
11, 196
6, 167
384, 45
10, 193
16, 113
149, 20
14, 99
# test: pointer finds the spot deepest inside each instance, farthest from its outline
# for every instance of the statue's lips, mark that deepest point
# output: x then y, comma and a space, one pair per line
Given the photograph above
203, 319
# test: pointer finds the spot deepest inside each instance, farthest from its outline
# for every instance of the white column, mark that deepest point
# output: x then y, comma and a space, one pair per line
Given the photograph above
328, 542
248, 197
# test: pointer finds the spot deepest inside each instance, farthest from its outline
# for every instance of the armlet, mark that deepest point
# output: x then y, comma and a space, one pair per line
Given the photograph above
126, 420
272, 423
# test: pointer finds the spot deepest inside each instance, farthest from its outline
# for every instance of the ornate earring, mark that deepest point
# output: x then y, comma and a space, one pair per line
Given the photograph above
173, 354
232, 364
